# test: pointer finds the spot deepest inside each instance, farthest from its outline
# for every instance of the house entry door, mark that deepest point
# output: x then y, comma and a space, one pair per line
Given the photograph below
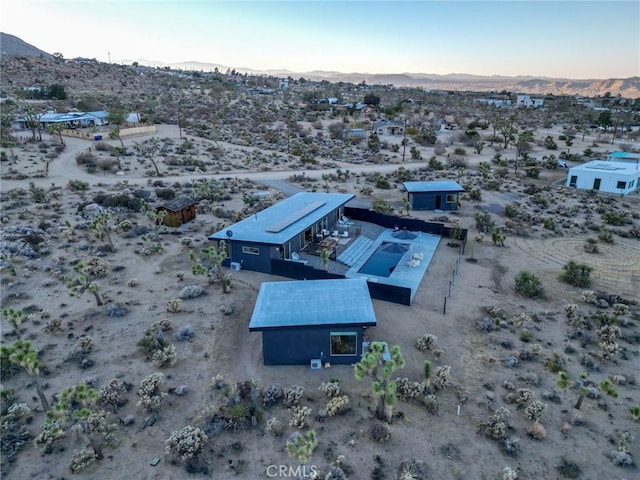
596, 183
438, 202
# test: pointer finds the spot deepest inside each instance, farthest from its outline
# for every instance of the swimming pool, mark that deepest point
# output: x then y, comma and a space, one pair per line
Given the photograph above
385, 259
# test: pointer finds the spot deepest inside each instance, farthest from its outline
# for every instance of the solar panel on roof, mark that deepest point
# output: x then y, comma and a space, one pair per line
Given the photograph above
294, 217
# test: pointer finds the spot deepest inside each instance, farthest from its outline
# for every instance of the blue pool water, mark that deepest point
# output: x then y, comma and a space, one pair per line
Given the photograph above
384, 260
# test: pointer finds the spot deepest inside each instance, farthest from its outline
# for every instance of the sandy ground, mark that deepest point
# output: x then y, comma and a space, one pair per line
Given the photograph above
443, 445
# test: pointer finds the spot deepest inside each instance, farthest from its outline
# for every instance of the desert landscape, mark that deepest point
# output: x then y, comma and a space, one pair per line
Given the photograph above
118, 359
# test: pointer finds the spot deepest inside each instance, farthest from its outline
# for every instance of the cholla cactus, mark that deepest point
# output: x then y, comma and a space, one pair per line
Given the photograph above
443, 376
164, 357
186, 443
408, 390
133, 283
337, 405
84, 344
174, 306
272, 394
588, 296
149, 392
96, 267
431, 403
608, 333
534, 410
292, 395
509, 474
110, 393
299, 416
426, 342
497, 426
331, 388
51, 431
522, 395
570, 309
274, 426
81, 459
620, 309
163, 325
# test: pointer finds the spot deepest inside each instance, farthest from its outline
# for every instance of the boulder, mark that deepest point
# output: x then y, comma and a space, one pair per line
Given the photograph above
190, 291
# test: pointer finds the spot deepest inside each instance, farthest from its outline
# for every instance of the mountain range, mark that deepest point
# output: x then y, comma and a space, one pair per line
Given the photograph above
13, 46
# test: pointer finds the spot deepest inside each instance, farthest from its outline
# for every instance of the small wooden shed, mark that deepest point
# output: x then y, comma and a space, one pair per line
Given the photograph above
179, 211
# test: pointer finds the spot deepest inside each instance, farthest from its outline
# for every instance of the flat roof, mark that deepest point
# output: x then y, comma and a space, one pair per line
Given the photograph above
284, 220
304, 303
433, 186
620, 168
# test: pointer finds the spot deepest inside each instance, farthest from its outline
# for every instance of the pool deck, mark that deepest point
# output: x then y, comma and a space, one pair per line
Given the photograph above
403, 275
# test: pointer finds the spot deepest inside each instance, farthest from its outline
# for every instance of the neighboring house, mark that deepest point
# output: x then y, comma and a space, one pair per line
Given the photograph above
527, 101
70, 119
179, 211
435, 195
283, 84
357, 133
496, 102
287, 227
388, 127
310, 320
133, 119
621, 177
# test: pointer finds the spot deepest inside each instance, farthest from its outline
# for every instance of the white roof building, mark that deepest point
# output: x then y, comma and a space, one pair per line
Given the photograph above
622, 178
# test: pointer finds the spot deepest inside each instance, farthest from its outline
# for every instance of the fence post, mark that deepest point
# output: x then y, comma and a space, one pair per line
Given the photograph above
444, 309
449, 290
453, 277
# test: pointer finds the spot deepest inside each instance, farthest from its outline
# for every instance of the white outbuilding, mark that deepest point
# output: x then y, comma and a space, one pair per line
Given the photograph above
621, 178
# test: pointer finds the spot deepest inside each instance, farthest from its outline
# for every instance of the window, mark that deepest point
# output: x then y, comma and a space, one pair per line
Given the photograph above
574, 181
344, 343
452, 198
251, 250
621, 185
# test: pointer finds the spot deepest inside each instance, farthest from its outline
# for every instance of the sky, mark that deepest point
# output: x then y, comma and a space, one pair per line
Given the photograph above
569, 39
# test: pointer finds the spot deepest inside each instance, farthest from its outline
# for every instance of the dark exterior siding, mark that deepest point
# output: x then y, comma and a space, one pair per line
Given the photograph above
432, 201
298, 346
257, 263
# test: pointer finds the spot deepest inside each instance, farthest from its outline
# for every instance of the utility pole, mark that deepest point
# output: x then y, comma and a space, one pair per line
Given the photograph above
109, 55
404, 140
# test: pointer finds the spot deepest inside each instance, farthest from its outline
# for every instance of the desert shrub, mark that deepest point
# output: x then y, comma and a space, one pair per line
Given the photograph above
440, 150
529, 285
475, 195
380, 205
484, 223
457, 161
549, 223
537, 431
85, 158
81, 459
272, 394
426, 342
379, 431
606, 237
106, 164
511, 210
591, 246
576, 274
186, 443
77, 185
615, 218
166, 193
184, 333
382, 183
149, 392
164, 357
123, 200
532, 172
408, 390
435, 164
102, 147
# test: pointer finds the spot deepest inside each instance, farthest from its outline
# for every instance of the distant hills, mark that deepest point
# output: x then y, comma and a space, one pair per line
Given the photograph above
12, 46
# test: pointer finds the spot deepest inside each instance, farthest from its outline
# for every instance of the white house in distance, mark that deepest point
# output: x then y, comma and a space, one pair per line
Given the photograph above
619, 174
527, 101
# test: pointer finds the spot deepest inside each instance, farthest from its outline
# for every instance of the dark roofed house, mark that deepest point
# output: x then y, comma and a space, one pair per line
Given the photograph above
435, 195
179, 211
283, 229
310, 320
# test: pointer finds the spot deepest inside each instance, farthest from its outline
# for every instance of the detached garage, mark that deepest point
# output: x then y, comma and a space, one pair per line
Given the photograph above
435, 195
321, 320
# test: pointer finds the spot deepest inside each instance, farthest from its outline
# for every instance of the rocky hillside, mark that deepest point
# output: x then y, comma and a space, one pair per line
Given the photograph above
12, 46
78, 78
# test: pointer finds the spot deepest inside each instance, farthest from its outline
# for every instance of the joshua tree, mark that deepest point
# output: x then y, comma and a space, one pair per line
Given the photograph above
564, 381
506, 128
14, 317
380, 364
148, 150
101, 226
209, 264
155, 217
56, 129
84, 280
23, 354
114, 134
576, 274
78, 404
301, 447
